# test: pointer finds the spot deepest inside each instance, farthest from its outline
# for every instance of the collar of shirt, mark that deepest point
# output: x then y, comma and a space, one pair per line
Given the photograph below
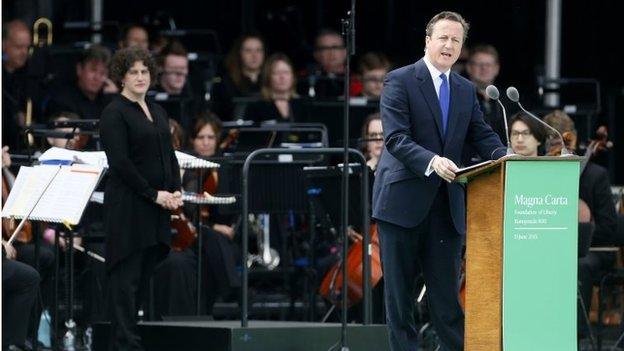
435, 75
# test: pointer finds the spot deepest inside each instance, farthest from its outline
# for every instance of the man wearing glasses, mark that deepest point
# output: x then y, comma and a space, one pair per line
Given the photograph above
173, 91
325, 78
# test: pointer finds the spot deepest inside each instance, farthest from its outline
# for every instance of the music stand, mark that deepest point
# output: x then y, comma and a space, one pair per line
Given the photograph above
326, 182
245, 229
329, 113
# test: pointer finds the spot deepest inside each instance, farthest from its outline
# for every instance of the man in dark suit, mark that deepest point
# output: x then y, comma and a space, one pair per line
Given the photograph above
428, 114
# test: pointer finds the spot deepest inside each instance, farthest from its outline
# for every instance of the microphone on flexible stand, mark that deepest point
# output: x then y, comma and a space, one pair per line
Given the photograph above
492, 93
514, 95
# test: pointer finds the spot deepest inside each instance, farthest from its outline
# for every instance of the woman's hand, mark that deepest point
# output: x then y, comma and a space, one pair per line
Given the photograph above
170, 201
11, 253
6, 158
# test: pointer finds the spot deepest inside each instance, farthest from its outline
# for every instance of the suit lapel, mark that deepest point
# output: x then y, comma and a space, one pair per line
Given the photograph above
428, 90
453, 109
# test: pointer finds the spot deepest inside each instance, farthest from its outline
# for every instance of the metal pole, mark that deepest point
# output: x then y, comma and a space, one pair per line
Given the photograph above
96, 21
200, 245
553, 49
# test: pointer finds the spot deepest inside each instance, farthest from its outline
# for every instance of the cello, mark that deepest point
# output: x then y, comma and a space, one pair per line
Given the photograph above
331, 287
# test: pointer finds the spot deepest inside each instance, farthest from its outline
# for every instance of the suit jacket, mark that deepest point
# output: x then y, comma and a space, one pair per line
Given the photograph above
412, 125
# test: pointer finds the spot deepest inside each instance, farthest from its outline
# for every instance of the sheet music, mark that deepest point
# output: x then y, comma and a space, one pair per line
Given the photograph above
187, 161
64, 199
461, 171
98, 158
27, 187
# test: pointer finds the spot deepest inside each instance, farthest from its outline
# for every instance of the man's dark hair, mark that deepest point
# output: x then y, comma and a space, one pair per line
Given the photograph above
325, 32
97, 53
123, 34
447, 15
373, 60
483, 49
536, 129
173, 48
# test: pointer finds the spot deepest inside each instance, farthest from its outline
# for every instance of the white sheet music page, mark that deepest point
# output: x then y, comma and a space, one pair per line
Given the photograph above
65, 198
29, 184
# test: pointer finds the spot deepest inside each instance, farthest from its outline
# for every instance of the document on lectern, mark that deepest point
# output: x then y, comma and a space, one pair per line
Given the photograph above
64, 191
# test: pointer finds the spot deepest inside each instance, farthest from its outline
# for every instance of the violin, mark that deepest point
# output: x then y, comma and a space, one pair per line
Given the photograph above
331, 286
186, 234
8, 224
600, 143
78, 142
230, 139
569, 140
209, 186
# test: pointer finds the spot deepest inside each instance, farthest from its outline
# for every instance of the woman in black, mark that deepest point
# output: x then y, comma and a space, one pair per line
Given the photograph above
241, 79
279, 102
142, 187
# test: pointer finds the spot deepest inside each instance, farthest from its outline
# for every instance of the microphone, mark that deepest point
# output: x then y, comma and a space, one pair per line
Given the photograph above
514, 95
492, 93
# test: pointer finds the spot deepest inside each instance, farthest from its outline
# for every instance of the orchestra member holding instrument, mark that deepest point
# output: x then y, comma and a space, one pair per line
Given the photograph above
175, 279
143, 186
595, 207
20, 283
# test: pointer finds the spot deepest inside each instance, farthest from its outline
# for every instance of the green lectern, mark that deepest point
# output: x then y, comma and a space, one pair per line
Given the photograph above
521, 254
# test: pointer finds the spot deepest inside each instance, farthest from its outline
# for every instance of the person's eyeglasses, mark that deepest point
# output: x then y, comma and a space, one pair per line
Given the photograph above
334, 47
176, 73
374, 135
525, 133
371, 79
482, 64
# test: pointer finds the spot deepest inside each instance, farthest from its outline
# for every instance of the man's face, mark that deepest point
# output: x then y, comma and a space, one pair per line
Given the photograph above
373, 82
16, 49
444, 45
175, 71
330, 53
91, 76
137, 37
522, 140
482, 69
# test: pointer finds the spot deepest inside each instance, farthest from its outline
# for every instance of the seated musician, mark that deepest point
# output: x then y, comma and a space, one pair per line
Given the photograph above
595, 206
20, 284
280, 101
175, 278
372, 146
372, 69
23, 248
241, 79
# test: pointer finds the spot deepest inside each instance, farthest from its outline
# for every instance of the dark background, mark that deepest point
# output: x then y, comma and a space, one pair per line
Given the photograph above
591, 40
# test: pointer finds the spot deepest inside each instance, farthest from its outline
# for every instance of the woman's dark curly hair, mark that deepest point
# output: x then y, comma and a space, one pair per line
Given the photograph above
125, 58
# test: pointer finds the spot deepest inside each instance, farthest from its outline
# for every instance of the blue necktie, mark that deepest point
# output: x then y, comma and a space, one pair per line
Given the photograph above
444, 101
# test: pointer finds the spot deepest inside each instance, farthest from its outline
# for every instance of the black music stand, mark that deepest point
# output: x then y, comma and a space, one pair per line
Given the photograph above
330, 112
323, 186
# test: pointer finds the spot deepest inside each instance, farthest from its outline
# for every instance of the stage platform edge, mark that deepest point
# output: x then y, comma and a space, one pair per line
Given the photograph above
202, 335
